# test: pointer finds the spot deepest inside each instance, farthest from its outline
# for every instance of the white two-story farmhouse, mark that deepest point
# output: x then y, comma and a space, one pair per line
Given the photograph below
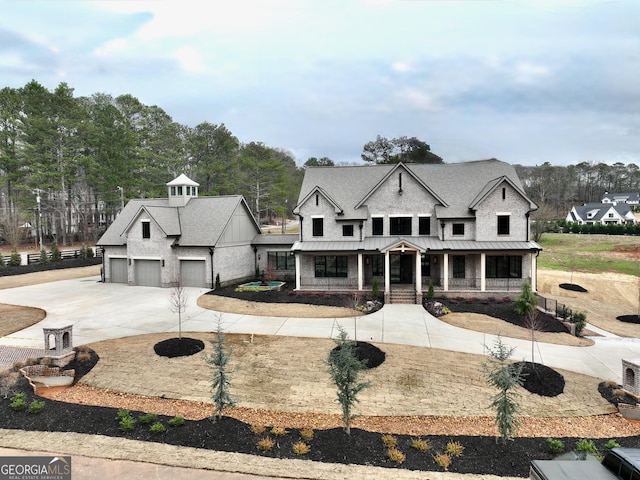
462, 227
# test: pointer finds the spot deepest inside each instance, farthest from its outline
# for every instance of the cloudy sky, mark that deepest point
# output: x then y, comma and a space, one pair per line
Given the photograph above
525, 81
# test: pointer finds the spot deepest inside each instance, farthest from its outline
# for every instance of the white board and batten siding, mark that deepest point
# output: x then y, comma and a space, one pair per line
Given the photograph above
193, 272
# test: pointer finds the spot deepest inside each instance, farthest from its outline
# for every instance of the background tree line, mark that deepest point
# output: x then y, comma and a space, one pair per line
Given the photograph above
78, 160
71, 163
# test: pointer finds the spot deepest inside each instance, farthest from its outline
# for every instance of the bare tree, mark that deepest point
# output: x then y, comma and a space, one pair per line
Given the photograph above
178, 300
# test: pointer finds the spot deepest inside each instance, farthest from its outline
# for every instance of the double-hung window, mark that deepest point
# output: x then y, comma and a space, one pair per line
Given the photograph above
457, 229
347, 230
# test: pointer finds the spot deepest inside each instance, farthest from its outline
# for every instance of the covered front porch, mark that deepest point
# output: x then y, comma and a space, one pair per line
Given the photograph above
404, 272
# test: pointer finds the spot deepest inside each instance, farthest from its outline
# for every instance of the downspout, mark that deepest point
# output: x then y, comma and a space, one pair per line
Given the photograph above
361, 226
213, 281
255, 262
528, 214
301, 223
103, 273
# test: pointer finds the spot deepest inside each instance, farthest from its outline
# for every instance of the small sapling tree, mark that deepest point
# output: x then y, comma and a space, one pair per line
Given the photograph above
221, 381
345, 368
527, 306
504, 376
178, 300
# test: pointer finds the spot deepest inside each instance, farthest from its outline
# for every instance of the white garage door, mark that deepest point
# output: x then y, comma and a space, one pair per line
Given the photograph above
147, 273
118, 267
193, 273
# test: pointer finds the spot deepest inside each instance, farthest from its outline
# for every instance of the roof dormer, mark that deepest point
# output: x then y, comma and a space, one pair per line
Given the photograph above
181, 190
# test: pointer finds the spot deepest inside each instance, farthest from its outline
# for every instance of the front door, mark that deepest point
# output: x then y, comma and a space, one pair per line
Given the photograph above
401, 268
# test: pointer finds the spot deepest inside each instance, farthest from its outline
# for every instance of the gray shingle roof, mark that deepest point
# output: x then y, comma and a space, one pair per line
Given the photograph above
200, 222
595, 212
283, 239
458, 185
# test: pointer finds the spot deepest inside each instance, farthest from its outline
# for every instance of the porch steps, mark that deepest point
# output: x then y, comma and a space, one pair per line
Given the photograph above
403, 296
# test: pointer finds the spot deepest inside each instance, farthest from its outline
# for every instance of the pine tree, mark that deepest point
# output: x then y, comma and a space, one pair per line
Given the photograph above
221, 382
56, 256
504, 376
15, 259
344, 368
44, 256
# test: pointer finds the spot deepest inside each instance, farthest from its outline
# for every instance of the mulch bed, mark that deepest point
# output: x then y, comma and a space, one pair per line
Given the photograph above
178, 347
504, 309
288, 295
629, 318
7, 271
573, 287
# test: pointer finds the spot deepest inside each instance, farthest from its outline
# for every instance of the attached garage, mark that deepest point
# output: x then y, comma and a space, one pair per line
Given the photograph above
148, 273
193, 273
118, 269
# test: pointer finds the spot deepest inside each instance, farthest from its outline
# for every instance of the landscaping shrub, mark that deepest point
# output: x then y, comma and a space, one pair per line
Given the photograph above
56, 256
279, 431
300, 448
35, 406
396, 456
147, 418
176, 421
555, 446
18, 401
420, 444
15, 259
389, 441
157, 428
307, 434
265, 444
455, 449
443, 461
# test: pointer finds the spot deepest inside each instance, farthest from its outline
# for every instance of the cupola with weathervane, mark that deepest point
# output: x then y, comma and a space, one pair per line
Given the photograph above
181, 190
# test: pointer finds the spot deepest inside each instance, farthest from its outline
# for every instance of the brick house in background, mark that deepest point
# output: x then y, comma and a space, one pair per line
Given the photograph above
462, 227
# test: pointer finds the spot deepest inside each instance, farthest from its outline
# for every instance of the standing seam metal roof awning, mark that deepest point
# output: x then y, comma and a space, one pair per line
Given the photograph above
382, 244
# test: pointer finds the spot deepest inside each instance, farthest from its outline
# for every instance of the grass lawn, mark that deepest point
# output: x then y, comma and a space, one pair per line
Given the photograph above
590, 253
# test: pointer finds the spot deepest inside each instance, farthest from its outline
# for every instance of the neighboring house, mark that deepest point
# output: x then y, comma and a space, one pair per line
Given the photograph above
602, 213
463, 227
186, 240
630, 198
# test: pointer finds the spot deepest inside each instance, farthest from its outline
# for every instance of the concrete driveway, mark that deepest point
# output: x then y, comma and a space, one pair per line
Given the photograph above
100, 311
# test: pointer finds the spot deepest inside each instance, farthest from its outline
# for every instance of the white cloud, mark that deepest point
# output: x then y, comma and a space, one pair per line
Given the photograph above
529, 73
189, 59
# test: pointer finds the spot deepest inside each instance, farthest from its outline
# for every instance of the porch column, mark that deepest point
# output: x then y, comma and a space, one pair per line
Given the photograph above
418, 279
297, 272
360, 272
534, 272
483, 272
445, 271
387, 278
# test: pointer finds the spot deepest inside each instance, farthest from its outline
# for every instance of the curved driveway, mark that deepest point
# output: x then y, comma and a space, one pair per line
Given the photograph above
100, 311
